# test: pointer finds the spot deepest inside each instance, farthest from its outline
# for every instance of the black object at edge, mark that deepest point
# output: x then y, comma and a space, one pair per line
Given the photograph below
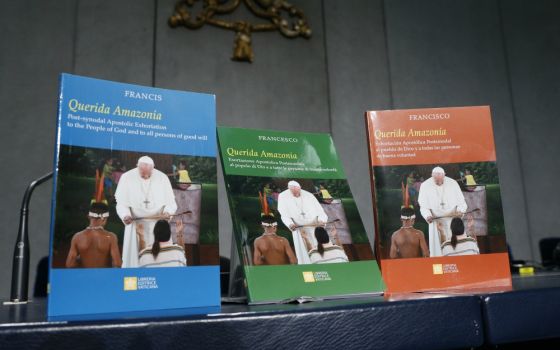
20, 267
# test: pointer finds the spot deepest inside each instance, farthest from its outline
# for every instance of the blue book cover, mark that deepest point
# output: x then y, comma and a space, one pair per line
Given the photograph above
134, 227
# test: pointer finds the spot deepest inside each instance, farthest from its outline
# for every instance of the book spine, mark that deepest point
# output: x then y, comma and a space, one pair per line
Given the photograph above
376, 240
236, 232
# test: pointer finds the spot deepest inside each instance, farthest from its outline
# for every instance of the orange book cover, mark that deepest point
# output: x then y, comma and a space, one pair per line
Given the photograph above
436, 199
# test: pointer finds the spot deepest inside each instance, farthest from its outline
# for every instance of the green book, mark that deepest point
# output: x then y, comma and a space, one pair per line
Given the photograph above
297, 230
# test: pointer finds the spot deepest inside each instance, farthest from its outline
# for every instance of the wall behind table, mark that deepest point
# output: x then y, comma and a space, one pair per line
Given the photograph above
284, 88
362, 55
37, 43
532, 44
445, 54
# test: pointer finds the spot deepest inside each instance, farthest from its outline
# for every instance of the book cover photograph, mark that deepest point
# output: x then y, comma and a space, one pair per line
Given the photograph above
297, 229
436, 199
134, 217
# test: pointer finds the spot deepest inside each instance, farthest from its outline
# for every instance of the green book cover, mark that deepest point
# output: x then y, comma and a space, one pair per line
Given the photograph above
296, 225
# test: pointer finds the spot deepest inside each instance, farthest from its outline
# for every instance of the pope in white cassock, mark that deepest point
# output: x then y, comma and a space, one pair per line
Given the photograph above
142, 192
440, 196
298, 207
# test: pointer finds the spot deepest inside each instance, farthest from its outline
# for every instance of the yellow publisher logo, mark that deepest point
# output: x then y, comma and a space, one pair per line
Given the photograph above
130, 283
526, 271
438, 269
308, 276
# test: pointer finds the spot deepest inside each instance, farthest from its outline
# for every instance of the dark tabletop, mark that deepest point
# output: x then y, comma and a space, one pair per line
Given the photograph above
410, 322
417, 320
530, 312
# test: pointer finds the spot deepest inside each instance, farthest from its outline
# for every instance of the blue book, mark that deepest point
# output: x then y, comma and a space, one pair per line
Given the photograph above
134, 229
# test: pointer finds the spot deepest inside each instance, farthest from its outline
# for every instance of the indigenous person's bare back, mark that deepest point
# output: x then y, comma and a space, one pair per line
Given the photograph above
408, 242
94, 248
273, 250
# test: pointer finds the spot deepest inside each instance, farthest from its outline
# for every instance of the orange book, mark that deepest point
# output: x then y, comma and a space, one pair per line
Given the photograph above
436, 199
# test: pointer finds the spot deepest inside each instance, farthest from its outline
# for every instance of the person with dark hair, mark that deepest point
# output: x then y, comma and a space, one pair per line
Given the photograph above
108, 177
184, 178
267, 192
162, 253
271, 249
408, 242
117, 173
469, 178
470, 183
326, 252
325, 194
410, 182
95, 246
460, 243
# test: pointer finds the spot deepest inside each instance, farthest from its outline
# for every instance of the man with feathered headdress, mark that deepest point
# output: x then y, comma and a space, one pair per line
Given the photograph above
269, 248
94, 246
408, 242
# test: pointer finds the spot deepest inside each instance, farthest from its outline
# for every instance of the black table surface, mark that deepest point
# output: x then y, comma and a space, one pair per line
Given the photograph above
412, 322
417, 320
530, 312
